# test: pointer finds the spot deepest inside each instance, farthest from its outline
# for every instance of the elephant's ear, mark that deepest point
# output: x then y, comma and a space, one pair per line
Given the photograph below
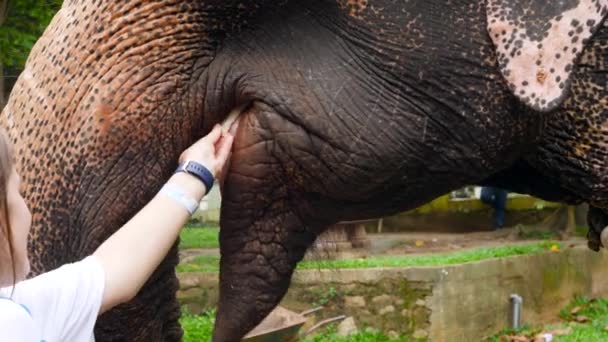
538, 41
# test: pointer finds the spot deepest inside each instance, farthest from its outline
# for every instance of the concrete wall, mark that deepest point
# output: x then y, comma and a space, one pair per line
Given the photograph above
464, 302
470, 302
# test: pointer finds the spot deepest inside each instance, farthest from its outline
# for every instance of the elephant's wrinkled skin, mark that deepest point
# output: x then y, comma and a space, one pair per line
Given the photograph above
356, 109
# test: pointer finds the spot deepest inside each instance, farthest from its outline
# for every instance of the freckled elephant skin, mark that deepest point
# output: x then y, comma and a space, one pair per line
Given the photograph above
354, 109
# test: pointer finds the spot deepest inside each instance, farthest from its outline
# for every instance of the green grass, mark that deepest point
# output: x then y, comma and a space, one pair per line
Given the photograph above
200, 328
330, 334
431, 259
595, 313
199, 237
584, 333
197, 327
201, 264
210, 264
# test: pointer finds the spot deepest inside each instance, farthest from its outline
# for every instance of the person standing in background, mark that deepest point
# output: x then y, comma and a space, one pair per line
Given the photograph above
497, 198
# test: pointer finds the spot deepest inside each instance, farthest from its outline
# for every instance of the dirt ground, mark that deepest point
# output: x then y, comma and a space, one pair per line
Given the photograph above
413, 243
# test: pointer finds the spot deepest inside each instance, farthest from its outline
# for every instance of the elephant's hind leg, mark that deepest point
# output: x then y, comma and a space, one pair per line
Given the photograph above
262, 237
574, 150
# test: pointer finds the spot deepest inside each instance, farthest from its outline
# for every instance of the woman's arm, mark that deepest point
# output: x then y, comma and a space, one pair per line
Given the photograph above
133, 252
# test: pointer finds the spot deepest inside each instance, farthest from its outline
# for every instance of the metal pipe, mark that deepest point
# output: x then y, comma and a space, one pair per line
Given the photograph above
516, 308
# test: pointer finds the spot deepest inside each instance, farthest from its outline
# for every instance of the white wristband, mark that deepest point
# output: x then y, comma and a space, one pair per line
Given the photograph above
178, 195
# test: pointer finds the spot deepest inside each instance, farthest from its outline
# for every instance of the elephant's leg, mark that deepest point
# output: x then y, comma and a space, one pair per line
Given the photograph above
573, 153
262, 237
597, 219
285, 185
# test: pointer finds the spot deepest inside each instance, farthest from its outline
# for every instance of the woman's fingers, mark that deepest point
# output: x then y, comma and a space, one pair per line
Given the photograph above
233, 127
212, 151
224, 154
223, 150
213, 136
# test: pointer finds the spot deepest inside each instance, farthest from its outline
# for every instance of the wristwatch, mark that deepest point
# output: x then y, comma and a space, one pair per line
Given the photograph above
199, 171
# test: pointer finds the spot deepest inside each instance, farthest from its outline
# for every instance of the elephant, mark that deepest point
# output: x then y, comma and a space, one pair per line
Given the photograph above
350, 109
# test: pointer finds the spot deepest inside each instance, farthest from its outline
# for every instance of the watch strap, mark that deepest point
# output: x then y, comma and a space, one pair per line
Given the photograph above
199, 171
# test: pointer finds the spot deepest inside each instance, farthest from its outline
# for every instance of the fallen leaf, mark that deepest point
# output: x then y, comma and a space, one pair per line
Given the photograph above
419, 243
582, 319
554, 248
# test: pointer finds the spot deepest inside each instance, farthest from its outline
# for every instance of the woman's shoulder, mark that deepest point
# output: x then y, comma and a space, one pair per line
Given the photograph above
64, 302
66, 278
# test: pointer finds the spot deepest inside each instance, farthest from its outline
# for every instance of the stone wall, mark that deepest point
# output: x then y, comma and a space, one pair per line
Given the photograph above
464, 302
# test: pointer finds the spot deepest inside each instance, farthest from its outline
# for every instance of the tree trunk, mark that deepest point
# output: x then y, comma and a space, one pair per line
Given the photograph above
571, 225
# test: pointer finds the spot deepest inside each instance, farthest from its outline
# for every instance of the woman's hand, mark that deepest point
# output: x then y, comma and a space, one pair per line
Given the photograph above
212, 151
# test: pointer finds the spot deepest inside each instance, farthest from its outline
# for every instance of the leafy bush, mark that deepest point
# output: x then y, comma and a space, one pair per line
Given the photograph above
197, 327
200, 327
587, 320
330, 334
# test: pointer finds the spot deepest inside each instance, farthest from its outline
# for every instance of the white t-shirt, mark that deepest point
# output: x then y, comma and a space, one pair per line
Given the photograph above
61, 305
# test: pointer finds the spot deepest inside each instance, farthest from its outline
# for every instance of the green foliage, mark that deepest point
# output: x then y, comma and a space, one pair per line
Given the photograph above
326, 297
197, 327
200, 264
592, 313
211, 264
195, 237
596, 308
582, 309
594, 332
330, 334
431, 259
25, 22
200, 327
525, 329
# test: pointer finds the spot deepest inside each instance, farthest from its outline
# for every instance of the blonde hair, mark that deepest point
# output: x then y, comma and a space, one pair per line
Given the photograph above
6, 169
